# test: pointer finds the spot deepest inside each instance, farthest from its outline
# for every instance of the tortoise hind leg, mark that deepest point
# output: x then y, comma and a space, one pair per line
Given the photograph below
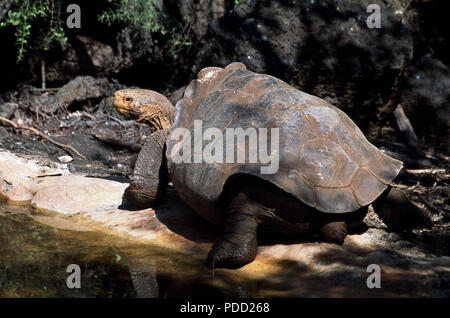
334, 232
398, 213
238, 245
334, 228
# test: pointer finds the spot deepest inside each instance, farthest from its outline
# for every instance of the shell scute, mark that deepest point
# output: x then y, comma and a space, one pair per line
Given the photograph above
326, 164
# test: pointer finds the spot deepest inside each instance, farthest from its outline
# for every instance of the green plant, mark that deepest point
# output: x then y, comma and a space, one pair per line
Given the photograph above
141, 13
145, 15
41, 16
178, 41
39, 24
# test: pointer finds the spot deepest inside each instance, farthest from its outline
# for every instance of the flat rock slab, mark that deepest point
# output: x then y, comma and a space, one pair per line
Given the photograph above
54, 188
77, 194
19, 176
409, 267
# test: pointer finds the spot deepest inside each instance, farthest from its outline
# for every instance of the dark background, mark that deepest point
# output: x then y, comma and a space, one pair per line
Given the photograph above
322, 47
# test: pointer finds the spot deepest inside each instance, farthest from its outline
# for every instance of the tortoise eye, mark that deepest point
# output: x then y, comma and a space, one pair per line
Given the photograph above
128, 99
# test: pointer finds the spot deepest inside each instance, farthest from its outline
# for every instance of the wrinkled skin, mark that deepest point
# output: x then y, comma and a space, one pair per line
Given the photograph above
244, 201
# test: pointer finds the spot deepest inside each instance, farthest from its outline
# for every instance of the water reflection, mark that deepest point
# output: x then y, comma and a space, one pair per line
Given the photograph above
34, 258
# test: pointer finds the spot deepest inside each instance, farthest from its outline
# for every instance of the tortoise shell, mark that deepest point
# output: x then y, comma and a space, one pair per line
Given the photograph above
324, 158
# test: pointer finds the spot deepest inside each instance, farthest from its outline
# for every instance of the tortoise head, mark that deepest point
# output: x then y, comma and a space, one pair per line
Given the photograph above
145, 106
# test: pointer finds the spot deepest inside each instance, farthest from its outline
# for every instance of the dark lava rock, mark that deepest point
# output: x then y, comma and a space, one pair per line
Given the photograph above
176, 95
323, 47
198, 13
81, 91
426, 98
79, 55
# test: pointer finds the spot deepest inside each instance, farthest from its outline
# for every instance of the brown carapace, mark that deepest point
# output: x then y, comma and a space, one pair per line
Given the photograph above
325, 160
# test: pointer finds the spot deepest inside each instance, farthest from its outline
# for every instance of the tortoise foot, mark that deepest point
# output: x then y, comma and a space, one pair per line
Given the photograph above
334, 232
140, 194
233, 252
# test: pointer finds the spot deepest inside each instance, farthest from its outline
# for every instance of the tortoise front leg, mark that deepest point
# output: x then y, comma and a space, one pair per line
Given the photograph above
150, 176
238, 245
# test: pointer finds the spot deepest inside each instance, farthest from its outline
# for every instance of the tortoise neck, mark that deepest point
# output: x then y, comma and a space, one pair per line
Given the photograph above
167, 117
160, 114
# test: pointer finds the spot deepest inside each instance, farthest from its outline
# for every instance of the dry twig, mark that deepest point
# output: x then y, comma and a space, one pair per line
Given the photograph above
425, 171
42, 135
406, 128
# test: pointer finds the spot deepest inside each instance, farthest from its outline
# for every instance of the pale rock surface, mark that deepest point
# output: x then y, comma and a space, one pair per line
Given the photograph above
74, 194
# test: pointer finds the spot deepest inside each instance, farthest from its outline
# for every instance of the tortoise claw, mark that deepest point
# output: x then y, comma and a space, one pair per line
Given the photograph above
226, 254
140, 194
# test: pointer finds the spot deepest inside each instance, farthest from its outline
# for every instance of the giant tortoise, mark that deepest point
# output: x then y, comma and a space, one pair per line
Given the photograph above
327, 173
